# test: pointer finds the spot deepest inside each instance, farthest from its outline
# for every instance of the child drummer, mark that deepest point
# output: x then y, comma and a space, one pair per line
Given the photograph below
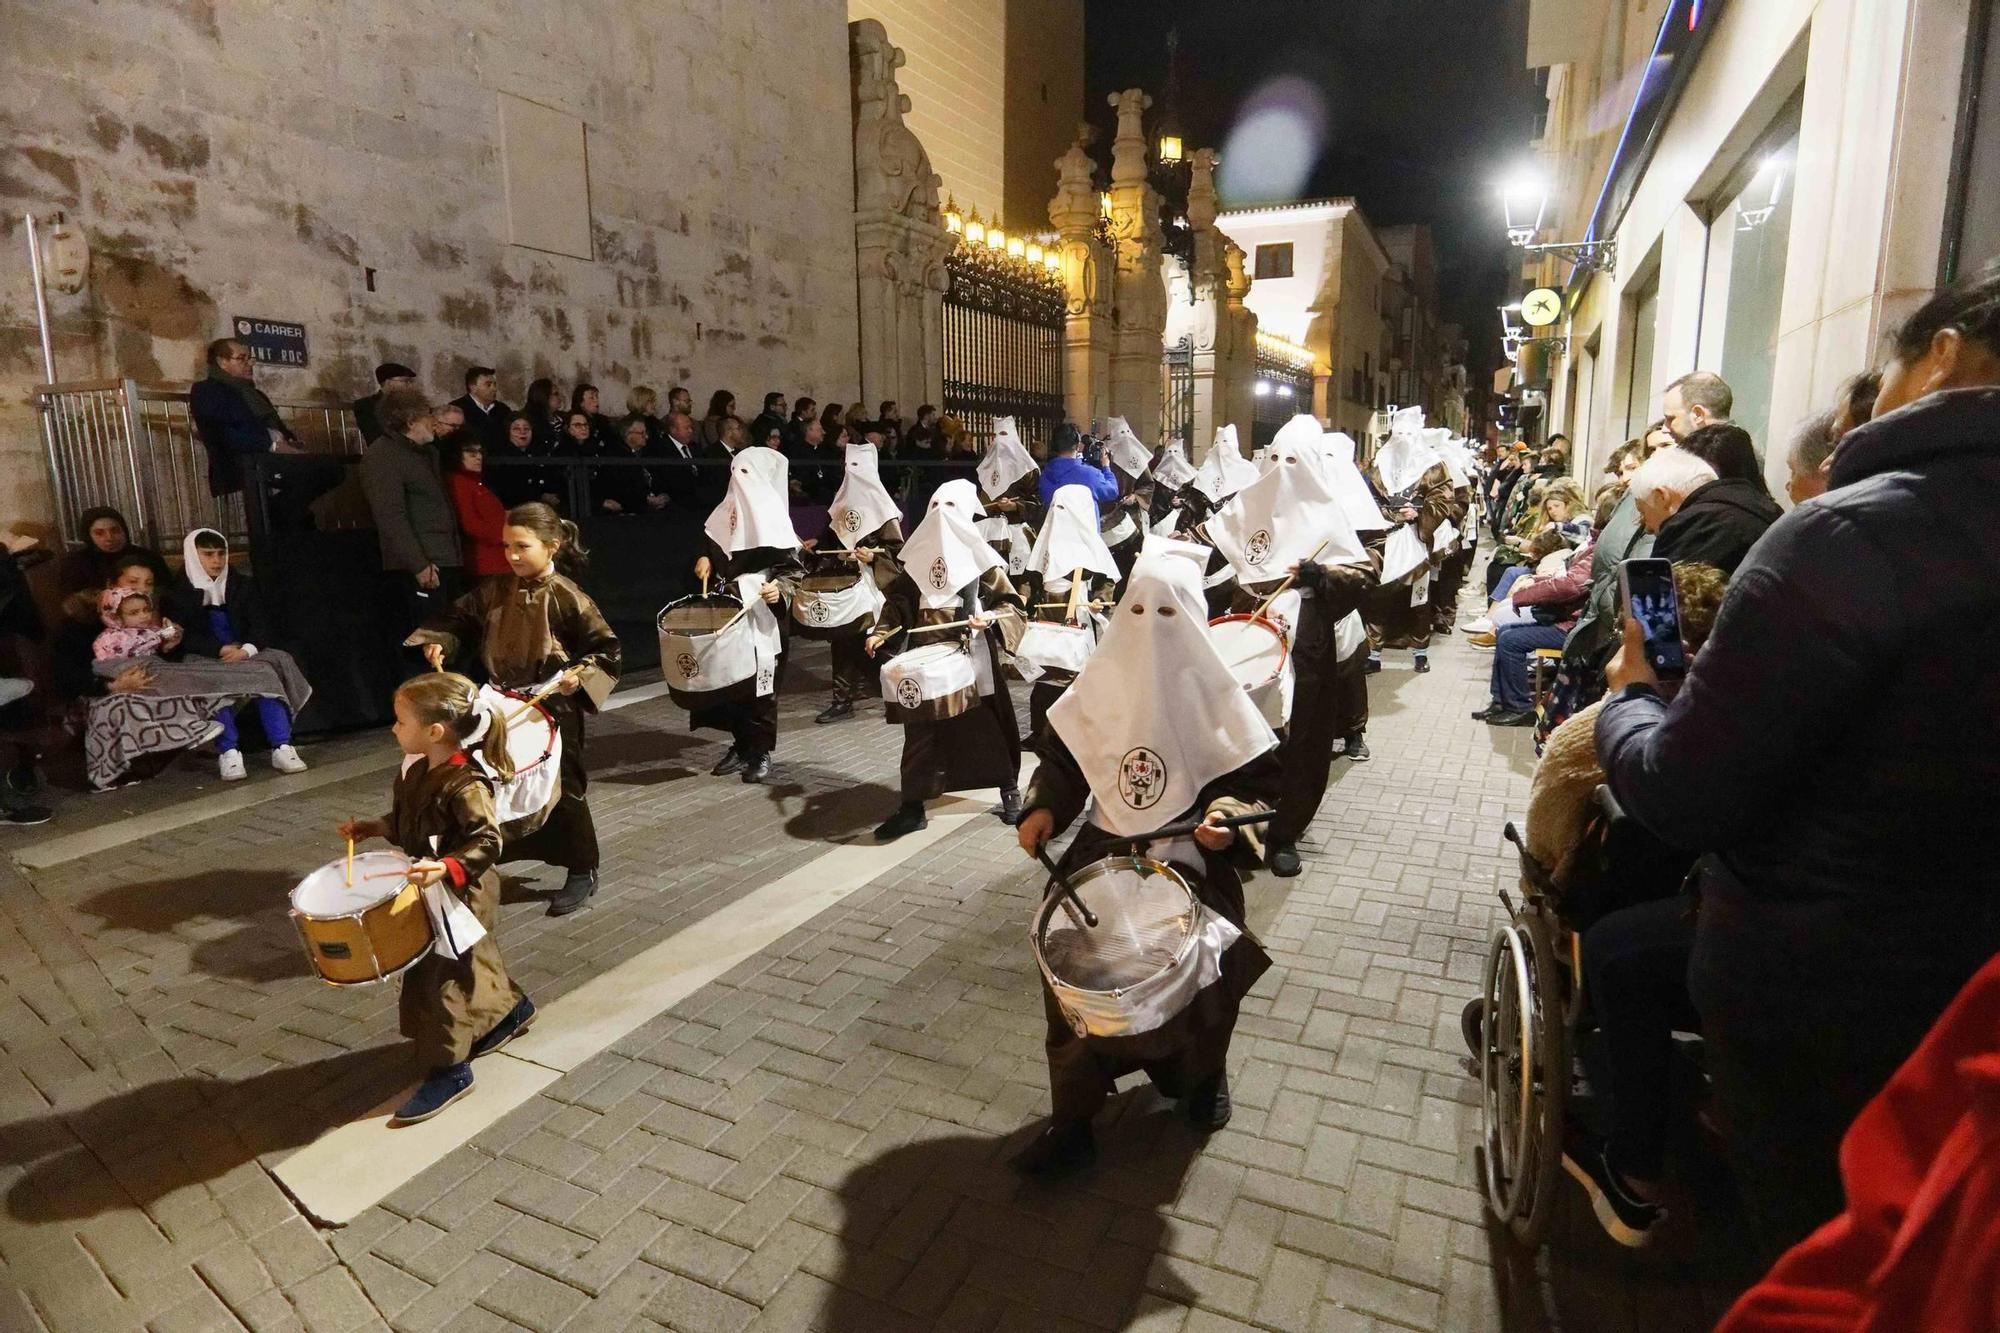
441, 816
1155, 732
864, 531
1070, 580
528, 625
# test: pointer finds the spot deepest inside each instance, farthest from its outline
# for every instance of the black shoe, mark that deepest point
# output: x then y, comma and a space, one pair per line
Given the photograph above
1625, 1217
1207, 1107
731, 762
574, 893
1420, 663
22, 779
835, 711
1356, 748
1374, 667
445, 1085
518, 1020
757, 769
21, 816
1505, 718
1284, 859
1445, 627
1010, 806
1491, 710
1061, 1148
909, 817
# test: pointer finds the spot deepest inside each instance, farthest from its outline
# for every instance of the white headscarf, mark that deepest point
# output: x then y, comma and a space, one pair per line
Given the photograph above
946, 551
1406, 456
1173, 471
1069, 539
1225, 471
863, 505
1155, 716
214, 591
1124, 447
1356, 500
757, 511
1006, 461
1291, 513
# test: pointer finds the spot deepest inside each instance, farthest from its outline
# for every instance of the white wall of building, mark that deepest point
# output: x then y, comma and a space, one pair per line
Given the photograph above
1284, 305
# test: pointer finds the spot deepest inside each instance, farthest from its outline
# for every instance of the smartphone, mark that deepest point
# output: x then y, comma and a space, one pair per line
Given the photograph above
1646, 587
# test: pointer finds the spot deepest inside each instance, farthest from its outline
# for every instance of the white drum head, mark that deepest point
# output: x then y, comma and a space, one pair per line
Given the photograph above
326, 891
1253, 652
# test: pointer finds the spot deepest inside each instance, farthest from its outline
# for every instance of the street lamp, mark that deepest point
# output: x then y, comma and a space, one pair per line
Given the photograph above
1170, 148
1524, 200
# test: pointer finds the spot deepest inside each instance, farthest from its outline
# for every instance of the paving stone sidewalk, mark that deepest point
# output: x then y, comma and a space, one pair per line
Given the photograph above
815, 1140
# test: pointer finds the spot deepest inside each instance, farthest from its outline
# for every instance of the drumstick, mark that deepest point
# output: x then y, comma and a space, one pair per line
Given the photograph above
543, 693
1179, 830
350, 863
1070, 902
1258, 614
1050, 606
385, 874
1076, 587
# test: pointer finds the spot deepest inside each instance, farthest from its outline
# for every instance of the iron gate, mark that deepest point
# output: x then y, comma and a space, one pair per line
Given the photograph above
1177, 392
1003, 348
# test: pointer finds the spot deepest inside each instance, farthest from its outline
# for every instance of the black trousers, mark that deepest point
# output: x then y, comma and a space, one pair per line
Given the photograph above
290, 483
1635, 965
569, 836
856, 675
1324, 709
420, 603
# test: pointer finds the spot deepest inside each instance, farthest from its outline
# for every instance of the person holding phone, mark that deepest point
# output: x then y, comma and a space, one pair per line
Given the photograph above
1834, 753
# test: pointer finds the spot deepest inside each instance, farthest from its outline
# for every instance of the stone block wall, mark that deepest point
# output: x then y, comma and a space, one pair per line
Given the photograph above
258, 159
956, 78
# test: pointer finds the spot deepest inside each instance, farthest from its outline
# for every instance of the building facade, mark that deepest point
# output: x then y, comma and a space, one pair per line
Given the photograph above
1782, 181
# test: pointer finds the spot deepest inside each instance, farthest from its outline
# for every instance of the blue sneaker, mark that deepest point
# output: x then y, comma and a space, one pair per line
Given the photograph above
444, 1086
518, 1020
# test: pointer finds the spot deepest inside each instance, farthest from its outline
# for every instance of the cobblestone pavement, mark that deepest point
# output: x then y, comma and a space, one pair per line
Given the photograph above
815, 1140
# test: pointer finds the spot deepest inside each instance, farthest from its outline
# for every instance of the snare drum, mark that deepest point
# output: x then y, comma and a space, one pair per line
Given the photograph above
1155, 945
522, 803
708, 653
837, 605
364, 932
929, 683
1254, 651
1050, 645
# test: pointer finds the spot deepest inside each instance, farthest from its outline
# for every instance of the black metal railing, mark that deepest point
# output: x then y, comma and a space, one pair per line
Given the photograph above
1177, 390
1003, 349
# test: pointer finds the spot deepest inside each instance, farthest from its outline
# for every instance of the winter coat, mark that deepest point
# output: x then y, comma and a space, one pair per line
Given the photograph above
1836, 746
1717, 524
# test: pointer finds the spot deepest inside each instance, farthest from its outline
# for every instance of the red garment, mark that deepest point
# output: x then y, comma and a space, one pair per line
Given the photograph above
1918, 1247
480, 518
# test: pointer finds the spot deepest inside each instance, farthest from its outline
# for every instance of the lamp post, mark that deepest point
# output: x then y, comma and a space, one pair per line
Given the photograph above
1524, 201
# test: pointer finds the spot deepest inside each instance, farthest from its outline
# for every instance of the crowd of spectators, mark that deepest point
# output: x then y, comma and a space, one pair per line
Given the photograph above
1821, 774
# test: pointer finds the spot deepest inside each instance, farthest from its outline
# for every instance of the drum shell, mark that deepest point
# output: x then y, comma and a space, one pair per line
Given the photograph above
961, 696
842, 591
1057, 649
374, 943
546, 766
691, 658
1271, 694
1154, 1000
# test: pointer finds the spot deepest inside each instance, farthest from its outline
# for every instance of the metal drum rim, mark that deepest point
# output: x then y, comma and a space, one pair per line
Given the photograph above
1098, 869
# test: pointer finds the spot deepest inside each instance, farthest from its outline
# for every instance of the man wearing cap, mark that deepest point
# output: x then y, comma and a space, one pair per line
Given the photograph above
389, 376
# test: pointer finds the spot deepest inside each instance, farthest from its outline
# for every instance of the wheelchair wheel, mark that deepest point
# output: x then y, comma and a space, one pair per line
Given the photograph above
1523, 1078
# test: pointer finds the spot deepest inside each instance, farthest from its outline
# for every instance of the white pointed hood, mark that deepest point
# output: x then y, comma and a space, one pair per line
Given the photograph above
946, 551
1356, 500
757, 510
863, 504
1173, 471
1155, 716
1291, 513
1123, 446
1438, 439
1406, 456
1069, 539
1007, 459
1225, 471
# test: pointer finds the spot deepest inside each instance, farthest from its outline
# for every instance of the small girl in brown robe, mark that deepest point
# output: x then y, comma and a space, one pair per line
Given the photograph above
441, 816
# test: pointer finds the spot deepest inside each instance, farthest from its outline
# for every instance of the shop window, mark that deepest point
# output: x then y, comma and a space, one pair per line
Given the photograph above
1639, 366
1748, 238
1274, 261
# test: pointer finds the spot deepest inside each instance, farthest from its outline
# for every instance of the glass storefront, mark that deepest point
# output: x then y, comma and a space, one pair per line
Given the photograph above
1639, 365
1747, 242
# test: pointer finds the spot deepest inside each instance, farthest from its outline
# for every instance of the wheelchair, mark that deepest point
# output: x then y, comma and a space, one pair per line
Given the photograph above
1523, 1029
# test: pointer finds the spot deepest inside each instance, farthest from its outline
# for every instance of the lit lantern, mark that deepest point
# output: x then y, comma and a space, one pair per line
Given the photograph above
975, 231
1016, 247
1104, 203
953, 223
1034, 252
1052, 261
1170, 148
997, 239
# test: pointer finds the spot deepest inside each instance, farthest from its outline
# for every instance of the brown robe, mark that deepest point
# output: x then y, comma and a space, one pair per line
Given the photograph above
526, 631
981, 747
1392, 621
446, 813
1042, 695
1192, 1046
752, 722
856, 675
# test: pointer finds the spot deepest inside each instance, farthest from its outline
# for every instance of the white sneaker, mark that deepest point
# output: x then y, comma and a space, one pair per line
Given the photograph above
1483, 625
230, 764
286, 760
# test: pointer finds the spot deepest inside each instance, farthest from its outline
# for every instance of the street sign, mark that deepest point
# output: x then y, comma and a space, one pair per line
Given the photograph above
272, 342
1541, 307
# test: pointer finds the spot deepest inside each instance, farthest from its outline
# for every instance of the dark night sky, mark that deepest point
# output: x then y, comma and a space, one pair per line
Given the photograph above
1428, 103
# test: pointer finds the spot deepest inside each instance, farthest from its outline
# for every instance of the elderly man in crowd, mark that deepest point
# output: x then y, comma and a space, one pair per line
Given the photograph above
414, 518
390, 377
1834, 752
239, 426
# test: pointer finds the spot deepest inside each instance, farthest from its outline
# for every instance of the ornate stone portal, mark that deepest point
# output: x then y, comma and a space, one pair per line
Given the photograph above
1141, 312
1087, 288
1224, 329
900, 240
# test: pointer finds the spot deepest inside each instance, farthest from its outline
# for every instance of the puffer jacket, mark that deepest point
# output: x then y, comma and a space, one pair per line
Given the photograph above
1717, 524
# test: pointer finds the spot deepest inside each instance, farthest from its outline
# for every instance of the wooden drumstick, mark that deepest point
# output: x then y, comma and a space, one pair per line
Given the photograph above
1290, 578
350, 863
1050, 606
543, 693
1076, 589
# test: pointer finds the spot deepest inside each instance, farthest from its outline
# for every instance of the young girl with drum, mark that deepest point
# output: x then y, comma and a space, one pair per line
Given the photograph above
533, 627
954, 580
752, 545
847, 567
1155, 733
1413, 487
441, 816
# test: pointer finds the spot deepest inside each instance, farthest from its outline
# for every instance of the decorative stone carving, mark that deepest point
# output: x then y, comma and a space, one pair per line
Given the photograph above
1087, 328
1142, 298
900, 239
